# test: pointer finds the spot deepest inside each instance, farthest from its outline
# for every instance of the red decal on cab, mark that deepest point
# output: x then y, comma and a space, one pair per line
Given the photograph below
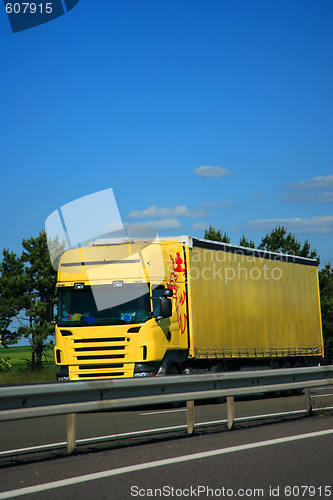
178, 295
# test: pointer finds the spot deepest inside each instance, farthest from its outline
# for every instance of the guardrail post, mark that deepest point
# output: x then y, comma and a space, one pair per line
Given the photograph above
190, 416
71, 432
308, 401
230, 411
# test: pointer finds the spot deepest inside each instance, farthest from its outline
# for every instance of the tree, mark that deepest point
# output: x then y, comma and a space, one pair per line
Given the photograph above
279, 241
244, 242
12, 290
326, 300
24, 284
213, 235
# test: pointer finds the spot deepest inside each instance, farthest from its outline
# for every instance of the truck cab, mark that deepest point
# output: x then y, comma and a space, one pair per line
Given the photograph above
119, 311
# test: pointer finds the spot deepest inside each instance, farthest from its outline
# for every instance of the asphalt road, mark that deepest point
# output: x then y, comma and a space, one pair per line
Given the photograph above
290, 459
22, 434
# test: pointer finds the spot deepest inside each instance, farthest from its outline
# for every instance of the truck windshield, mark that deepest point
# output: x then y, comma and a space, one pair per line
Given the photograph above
116, 305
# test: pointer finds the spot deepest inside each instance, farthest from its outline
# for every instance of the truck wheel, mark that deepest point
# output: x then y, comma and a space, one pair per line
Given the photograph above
173, 370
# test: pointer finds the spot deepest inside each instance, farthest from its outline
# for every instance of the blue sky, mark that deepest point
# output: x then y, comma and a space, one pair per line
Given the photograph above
146, 97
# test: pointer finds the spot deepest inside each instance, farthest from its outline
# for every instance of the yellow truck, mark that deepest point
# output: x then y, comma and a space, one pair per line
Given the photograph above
183, 305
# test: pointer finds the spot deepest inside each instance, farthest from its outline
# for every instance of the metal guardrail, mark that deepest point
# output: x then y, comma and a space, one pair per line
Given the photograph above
27, 401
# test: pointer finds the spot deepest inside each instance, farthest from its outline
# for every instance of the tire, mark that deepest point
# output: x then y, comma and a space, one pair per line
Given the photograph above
173, 370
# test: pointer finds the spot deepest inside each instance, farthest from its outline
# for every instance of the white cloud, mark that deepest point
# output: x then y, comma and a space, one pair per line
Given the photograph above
226, 203
313, 225
314, 183
200, 226
320, 197
164, 212
159, 225
209, 171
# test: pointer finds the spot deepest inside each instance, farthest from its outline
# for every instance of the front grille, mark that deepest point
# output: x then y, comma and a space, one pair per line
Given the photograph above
102, 356
112, 339
134, 329
105, 349
100, 348
96, 367
102, 375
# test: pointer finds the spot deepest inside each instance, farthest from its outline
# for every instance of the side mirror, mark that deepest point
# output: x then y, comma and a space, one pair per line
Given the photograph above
168, 292
166, 308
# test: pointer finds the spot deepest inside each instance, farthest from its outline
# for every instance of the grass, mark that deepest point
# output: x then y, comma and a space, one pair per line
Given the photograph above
20, 372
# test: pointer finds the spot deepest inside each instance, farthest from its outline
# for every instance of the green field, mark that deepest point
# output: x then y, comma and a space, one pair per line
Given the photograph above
20, 373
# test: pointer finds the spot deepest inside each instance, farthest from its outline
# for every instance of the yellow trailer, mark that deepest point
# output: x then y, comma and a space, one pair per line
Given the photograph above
146, 308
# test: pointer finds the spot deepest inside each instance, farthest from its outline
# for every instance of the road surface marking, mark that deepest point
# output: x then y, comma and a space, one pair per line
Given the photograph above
158, 412
131, 434
158, 463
